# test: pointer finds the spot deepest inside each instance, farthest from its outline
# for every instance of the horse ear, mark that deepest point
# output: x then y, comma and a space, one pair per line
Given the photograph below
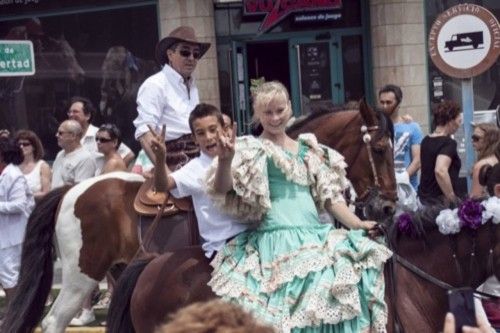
367, 113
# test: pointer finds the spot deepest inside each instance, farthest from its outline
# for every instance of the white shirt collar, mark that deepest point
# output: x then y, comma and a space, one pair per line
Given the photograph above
205, 158
174, 77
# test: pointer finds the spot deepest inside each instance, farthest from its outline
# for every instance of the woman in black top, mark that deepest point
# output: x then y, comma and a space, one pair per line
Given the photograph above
439, 157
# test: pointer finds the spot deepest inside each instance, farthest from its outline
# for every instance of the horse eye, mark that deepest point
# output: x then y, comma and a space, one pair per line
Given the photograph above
380, 147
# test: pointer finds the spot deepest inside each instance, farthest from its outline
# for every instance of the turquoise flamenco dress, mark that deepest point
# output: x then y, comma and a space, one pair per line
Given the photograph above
291, 271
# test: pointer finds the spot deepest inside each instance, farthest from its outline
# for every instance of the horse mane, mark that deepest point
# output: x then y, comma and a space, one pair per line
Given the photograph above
423, 221
318, 111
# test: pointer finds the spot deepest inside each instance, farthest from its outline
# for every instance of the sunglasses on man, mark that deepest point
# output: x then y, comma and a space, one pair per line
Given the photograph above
187, 53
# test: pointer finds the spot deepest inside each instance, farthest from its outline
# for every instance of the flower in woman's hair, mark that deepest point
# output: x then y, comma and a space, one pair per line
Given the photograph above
448, 222
491, 210
470, 213
405, 225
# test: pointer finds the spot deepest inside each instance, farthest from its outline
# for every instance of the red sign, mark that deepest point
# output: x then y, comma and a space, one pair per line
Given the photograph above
276, 10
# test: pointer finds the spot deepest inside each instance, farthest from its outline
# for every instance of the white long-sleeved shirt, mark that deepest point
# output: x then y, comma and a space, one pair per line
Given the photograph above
16, 204
164, 99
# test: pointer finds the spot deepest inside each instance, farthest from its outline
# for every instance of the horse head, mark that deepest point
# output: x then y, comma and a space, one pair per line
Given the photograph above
370, 162
379, 197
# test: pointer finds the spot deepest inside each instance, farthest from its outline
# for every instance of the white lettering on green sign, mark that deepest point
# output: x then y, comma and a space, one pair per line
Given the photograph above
16, 58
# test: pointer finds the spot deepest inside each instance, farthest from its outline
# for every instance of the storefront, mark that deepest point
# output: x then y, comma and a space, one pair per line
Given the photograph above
318, 49
102, 50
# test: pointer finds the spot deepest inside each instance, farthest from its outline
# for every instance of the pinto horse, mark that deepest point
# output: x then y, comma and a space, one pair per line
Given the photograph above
93, 225
151, 288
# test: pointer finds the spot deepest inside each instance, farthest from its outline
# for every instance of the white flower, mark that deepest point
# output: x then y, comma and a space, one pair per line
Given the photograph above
448, 221
491, 209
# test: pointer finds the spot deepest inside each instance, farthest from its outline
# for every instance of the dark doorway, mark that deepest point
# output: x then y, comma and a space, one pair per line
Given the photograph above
269, 60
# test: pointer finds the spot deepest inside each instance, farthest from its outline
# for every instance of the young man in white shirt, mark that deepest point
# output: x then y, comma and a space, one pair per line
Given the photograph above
215, 227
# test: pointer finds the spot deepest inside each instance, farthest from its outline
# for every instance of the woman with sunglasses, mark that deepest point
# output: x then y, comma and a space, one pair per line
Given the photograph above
35, 169
484, 139
108, 139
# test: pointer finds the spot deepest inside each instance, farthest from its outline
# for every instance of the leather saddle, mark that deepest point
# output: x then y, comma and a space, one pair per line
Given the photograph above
148, 201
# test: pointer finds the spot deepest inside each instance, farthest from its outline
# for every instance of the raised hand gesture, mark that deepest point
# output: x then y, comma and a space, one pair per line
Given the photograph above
226, 144
158, 144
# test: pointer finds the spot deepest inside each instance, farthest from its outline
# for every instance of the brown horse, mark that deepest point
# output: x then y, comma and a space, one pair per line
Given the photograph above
172, 280
417, 303
369, 163
95, 226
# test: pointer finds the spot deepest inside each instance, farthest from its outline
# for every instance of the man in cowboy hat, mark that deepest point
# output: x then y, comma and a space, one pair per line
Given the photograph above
169, 96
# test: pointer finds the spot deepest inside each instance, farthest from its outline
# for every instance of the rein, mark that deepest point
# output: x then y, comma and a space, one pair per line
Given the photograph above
141, 251
429, 278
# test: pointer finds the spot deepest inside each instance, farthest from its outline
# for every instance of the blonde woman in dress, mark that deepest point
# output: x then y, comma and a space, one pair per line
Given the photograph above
34, 168
290, 270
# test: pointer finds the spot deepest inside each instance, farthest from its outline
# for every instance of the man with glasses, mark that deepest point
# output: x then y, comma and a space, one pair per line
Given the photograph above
169, 96
73, 163
81, 109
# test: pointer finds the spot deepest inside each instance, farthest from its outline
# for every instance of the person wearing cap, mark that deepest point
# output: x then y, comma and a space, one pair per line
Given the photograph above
169, 96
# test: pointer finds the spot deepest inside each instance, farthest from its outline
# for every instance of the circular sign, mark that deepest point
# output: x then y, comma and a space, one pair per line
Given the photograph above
464, 41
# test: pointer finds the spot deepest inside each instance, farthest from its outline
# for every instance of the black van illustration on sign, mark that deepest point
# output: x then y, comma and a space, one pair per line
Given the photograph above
473, 39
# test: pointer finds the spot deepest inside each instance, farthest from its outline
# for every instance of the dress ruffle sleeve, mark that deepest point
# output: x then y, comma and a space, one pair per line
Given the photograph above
326, 169
249, 200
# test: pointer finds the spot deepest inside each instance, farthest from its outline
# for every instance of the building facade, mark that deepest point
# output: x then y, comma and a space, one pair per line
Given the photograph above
326, 52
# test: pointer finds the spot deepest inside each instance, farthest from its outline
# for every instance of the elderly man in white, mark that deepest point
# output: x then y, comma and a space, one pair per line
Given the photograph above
73, 163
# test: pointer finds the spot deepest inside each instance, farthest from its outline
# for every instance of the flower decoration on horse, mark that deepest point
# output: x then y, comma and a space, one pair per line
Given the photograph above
469, 214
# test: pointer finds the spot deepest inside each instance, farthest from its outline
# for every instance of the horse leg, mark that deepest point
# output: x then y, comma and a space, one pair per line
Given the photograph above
76, 286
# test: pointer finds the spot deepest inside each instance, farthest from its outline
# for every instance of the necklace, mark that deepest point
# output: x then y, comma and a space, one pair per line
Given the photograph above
439, 132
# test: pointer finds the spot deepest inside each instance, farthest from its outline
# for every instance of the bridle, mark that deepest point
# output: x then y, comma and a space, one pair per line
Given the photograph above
372, 192
435, 281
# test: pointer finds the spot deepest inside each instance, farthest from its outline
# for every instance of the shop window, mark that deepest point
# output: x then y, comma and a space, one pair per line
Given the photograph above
103, 55
352, 62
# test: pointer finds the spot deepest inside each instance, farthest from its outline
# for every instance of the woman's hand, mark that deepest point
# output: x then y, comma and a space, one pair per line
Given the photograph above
370, 226
158, 144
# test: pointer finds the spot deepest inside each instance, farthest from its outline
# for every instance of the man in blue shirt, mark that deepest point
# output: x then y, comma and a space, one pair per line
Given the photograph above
407, 134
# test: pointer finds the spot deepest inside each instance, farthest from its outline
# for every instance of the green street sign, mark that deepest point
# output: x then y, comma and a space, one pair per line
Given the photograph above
16, 58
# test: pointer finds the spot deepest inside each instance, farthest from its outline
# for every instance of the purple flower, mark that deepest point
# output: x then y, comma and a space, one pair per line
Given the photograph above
470, 213
405, 225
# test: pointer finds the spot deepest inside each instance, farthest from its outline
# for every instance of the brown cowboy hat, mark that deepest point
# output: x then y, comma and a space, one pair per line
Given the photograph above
181, 34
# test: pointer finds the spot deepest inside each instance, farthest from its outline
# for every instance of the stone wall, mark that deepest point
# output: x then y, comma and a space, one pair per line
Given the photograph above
200, 15
399, 53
